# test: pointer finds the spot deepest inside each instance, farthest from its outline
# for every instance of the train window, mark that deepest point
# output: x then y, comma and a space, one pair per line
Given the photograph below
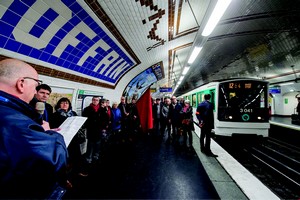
202, 97
199, 98
242, 100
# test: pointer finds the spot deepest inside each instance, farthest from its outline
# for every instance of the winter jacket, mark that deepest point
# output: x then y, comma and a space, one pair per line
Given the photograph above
205, 114
93, 122
47, 112
31, 159
116, 119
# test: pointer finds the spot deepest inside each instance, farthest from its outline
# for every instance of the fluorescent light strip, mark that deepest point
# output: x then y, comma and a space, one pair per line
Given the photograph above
215, 17
185, 70
194, 54
181, 78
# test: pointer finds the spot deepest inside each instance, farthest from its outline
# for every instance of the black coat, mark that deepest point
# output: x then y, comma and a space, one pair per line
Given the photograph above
92, 123
174, 113
57, 119
187, 118
205, 114
48, 109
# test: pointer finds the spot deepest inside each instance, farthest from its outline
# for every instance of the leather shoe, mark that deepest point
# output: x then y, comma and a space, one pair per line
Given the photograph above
211, 154
203, 150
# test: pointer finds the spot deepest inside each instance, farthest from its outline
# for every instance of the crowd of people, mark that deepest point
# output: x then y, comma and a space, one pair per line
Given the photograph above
173, 119
34, 159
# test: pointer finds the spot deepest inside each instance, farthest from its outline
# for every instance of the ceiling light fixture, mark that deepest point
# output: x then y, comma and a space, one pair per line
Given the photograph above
194, 54
215, 17
185, 70
181, 78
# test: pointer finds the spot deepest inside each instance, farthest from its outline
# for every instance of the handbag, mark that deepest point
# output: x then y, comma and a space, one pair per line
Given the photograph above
186, 121
81, 135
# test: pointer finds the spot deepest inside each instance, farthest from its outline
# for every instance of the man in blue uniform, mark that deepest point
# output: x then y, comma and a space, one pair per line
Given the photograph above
32, 157
205, 115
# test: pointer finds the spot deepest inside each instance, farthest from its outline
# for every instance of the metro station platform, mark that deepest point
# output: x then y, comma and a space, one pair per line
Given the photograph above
146, 169
153, 169
285, 121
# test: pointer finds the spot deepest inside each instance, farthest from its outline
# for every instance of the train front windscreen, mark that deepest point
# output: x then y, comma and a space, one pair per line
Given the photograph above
243, 101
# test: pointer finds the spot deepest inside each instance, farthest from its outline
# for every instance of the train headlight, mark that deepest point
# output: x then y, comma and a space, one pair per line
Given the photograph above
230, 117
259, 118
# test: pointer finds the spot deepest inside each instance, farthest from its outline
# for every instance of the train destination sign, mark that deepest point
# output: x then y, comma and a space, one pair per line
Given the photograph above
239, 85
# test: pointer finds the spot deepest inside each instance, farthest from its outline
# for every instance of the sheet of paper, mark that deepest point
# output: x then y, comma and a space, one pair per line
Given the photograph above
70, 127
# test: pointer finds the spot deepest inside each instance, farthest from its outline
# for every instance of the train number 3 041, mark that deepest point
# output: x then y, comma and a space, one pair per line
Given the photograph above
246, 110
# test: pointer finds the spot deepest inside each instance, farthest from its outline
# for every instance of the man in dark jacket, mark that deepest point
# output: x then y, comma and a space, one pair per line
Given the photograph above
43, 92
32, 157
165, 120
92, 124
174, 115
125, 115
156, 109
205, 115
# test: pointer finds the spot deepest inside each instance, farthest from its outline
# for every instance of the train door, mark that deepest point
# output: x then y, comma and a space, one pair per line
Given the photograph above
194, 101
199, 100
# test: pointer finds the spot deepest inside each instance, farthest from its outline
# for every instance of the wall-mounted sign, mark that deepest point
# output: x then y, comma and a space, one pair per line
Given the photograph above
276, 90
62, 34
152, 90
139, 84
158, 70
165, 89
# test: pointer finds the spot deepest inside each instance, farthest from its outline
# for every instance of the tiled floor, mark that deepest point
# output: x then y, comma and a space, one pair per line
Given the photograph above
146, 169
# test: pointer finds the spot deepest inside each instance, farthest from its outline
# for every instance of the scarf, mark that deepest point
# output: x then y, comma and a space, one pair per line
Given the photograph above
185, 108
64, 113
95, 108
109, 111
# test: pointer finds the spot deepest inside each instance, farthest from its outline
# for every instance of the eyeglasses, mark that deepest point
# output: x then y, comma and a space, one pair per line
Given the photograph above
39, 82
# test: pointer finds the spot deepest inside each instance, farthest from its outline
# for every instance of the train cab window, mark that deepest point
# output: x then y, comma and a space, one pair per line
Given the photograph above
243, 100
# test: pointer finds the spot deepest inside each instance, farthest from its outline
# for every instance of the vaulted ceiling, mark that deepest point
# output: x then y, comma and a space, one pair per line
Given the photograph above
100, 42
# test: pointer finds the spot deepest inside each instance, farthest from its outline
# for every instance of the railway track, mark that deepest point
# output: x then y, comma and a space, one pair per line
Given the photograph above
275, 163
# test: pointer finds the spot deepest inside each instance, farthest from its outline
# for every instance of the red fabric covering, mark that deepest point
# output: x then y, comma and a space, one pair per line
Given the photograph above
144, 107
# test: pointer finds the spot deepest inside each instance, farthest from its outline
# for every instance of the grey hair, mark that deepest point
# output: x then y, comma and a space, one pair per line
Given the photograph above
187, 101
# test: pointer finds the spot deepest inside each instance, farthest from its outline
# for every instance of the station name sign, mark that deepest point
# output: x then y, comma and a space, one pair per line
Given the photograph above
276, 90
165, 89
63, 34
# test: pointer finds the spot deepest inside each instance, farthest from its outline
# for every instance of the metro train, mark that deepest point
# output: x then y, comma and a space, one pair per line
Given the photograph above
240, 105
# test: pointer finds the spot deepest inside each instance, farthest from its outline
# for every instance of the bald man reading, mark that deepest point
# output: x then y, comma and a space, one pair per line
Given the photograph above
32, 157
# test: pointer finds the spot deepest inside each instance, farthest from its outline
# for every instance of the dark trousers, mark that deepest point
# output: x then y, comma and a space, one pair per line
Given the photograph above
187, 132
175, 132
205, 134
165, 124
93, 150
156, 127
